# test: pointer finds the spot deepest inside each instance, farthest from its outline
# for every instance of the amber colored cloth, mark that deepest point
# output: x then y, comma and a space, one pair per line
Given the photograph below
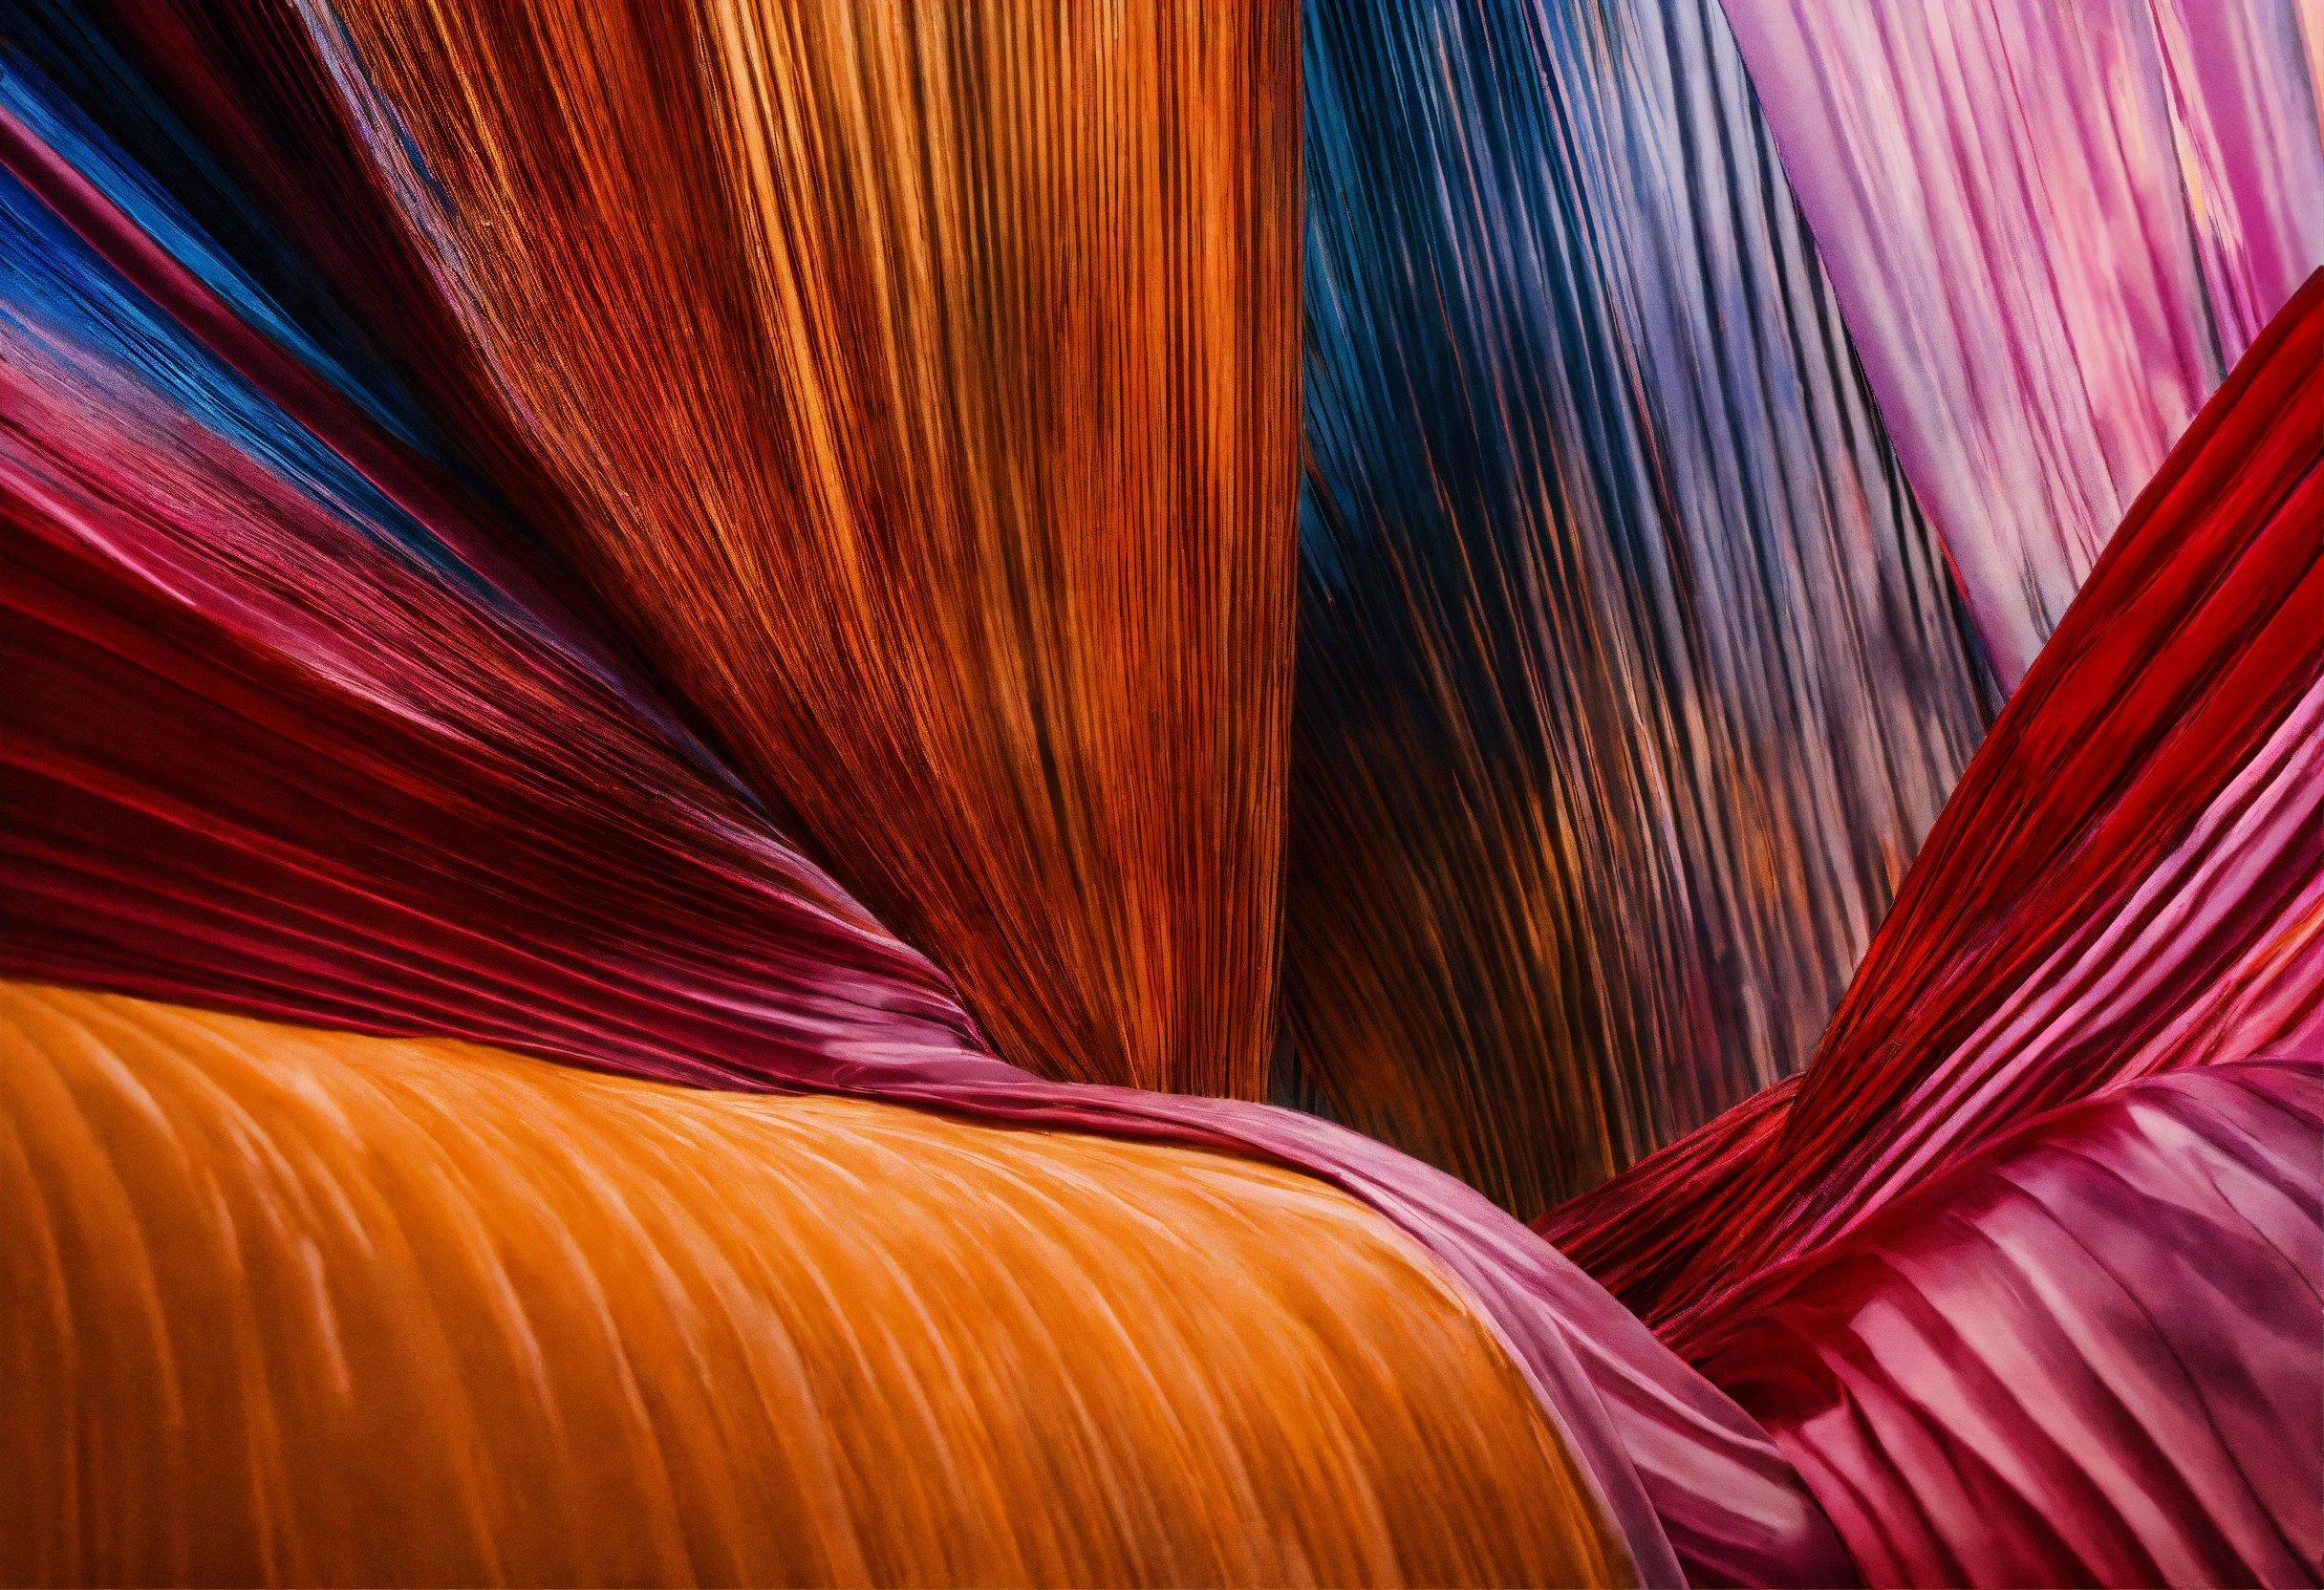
919, 390
291, 1307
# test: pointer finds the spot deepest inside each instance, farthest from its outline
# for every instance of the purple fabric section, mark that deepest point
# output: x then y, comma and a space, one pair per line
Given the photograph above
2051, 228
2092, 1355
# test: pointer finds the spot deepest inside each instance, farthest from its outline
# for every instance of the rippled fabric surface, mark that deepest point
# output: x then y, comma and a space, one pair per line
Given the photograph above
288, 728
921, 381
2052, 229
1628, 676
294, 1307
2020, 1309
417, 813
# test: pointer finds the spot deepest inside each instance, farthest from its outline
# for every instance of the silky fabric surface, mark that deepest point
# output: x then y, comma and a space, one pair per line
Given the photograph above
1629, 675
2129, 880
291, 1307
918, 387
442, 808
287, 726
458, 576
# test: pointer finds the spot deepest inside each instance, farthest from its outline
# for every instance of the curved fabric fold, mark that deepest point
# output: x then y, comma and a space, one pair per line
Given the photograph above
2051, 231
286, 727
869, 433
918, 388
279, 1305
2129, 880
1637, 1230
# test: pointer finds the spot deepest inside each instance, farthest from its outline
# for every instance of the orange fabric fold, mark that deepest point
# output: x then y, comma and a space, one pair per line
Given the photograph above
291, 1306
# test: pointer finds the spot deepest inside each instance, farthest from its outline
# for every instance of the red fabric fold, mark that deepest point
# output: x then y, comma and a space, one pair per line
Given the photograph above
2130, 878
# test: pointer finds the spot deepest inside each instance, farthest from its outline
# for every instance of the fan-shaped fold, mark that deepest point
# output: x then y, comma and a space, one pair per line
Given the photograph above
296, 738
917, 387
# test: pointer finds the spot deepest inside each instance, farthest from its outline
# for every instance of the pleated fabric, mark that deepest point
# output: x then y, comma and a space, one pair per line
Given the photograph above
753, 546
280, 1305
917, 387
2087, 1355
1629, 677
2130, 879
2022, 1272
289, 728
2052, 229
1637, 1230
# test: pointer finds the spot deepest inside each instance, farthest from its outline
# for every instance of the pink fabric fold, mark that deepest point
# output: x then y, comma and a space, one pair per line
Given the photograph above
2088, 1355
2052, 229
